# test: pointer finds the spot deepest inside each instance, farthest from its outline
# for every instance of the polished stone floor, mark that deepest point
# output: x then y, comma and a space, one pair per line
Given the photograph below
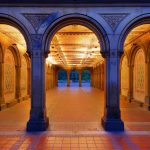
74, 114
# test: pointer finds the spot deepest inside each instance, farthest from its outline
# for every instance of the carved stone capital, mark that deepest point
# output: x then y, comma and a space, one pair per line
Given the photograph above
112, 54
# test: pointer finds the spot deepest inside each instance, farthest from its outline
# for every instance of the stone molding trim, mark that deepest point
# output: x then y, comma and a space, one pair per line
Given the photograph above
114, 19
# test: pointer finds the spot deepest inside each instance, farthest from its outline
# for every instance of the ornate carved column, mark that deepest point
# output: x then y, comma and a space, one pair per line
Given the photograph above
2, 102
18, 83
130, 91
38, 120
111, 120
80, 78
147, 74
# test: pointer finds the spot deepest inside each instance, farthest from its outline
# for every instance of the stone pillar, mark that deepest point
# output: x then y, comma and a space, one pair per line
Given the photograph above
147, 74
2, 102
130, 91
38, 120
80, 78
18, 83
111, 120
68, 78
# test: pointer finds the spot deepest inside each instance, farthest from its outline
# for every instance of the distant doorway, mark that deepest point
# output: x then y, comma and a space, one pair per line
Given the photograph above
86, 78
62, 78
74, 78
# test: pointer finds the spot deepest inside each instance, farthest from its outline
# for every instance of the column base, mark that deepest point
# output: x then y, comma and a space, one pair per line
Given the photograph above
38, 125
113, 124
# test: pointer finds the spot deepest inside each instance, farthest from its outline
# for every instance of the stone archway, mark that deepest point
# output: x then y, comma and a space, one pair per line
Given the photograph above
38, 118
134, 24
86, 21
14, 23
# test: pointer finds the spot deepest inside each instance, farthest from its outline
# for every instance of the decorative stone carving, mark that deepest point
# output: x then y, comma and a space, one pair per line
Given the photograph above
36, 20
114, 19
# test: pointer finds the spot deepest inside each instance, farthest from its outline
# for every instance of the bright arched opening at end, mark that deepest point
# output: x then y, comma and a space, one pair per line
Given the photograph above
62, 78
74, 78
86, 78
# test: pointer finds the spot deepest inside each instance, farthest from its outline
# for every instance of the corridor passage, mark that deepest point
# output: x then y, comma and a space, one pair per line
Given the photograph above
75, 124
75, 109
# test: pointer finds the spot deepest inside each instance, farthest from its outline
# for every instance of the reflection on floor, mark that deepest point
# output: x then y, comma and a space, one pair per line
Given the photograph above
75, 115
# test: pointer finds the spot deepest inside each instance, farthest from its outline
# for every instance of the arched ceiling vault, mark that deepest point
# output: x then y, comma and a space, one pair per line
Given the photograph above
10, 35
75, 46
137, 35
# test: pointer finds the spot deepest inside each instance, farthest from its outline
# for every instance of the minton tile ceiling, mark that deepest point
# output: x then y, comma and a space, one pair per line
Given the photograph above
14, 36
137, 32
75, 46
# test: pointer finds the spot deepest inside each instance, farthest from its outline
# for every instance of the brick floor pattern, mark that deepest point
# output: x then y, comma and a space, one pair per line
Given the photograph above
103, 142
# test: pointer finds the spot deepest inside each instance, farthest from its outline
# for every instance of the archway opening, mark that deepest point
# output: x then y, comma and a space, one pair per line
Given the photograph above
62, 78
134, 73
86, 78
76, 48
14, 77
74, 78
